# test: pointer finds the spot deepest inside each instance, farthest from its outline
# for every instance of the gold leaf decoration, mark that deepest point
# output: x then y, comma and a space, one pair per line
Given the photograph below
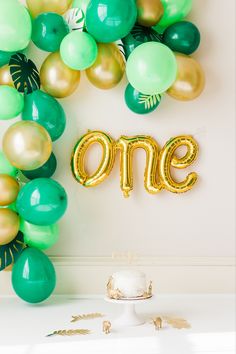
69, 332
88, 316
178, 323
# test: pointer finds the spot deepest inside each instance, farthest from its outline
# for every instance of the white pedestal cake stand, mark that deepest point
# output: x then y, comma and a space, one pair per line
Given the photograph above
129, 316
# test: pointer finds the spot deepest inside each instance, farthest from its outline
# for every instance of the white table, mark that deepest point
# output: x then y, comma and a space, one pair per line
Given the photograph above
23, 327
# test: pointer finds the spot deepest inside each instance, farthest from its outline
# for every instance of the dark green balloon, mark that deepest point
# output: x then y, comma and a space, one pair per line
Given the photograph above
140, 103
139, 35
45, 171
45, 110
107, 21
42, 201
183, 37
48, 31
33, 276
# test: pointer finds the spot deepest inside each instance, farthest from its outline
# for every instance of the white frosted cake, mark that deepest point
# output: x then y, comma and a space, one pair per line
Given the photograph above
128, 284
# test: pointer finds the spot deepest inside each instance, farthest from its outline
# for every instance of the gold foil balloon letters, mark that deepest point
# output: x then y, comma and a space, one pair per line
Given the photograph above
157, 174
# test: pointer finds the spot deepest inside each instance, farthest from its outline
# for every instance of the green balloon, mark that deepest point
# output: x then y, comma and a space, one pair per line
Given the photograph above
174, 11
182, 37
11, 102
138, 36
49, 29
33, 276
151, 68
45, 110
15, 29
6, 167
78, 50
5, 57
107, 21
42, 237
42, 201
139, 103
80, 4
45, 171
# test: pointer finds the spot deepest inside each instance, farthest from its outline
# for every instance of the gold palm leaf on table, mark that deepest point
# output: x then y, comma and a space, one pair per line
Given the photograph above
69, 332
178, 323
89, 316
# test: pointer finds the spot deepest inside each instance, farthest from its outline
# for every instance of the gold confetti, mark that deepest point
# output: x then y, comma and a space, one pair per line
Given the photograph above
89, 316
178, 323
70, 332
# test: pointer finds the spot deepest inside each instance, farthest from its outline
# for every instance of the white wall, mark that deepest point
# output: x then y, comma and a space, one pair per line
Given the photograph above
186, 242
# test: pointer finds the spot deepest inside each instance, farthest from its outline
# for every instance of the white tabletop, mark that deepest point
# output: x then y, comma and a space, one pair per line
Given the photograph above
23, 327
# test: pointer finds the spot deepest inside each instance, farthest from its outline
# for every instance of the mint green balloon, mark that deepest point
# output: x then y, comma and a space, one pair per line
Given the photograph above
33, 276
42, 237
80, 4
151, 68
78, 50
5, 166
11, 102
174, 11
15, 26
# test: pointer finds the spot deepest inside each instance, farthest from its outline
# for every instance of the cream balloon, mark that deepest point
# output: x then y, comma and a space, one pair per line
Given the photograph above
27, 145
9, 226
190, 80
37, 7
9, 189
58, 79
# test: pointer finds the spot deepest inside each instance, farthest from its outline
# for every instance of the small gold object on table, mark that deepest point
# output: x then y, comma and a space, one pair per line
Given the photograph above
157, 323
106, 327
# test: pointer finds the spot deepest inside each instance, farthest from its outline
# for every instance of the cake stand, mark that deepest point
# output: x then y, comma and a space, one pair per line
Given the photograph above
129, 316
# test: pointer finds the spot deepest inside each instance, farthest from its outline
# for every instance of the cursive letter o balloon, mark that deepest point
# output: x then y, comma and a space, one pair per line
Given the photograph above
16, 26
151, 68
107, 21
190, 80
56, 78
42, 201
27, 145
78, 50
33, 276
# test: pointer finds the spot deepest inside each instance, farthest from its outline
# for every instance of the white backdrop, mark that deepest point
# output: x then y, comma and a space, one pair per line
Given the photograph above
200, 223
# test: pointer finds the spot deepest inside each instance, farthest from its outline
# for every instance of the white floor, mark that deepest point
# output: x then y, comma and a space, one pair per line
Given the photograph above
23, 327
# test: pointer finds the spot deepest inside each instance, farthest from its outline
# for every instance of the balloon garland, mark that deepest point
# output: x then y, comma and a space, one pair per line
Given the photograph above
146, 39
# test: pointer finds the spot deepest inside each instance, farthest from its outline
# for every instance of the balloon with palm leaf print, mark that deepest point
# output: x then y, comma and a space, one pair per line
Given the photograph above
140, 103
10, 252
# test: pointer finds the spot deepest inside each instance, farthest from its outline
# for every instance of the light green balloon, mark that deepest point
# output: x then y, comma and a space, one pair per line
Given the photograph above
78, 50
11, 102
174, 11
15, 26
151, 68
80, 4
6, 167
41, 237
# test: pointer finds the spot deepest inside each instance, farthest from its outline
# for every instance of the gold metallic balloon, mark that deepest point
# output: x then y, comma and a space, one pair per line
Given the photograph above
168, 159
149, 12
109, 67
127, 145
27, 145
9, 226
190, 80
58, 79
5, 76
37, 7
9, 189
106, 164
